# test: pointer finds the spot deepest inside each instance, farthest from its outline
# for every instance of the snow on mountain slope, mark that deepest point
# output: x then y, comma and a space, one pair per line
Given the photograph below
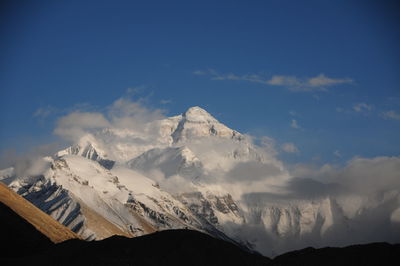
170, 161
90, 148
300, 217
196, 122
89, 179
188, 171
130, 202
125, 144
216, 209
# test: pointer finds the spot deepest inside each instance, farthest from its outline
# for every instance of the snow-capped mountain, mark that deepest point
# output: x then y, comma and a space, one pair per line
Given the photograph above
185, 171
97, 203
196, 122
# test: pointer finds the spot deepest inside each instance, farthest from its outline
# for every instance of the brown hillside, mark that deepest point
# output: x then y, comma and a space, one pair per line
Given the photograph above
55, 231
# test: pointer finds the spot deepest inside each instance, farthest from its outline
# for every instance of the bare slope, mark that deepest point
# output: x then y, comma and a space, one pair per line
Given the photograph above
55, 231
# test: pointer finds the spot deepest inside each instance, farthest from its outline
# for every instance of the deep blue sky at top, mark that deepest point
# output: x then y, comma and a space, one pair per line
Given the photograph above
56, 54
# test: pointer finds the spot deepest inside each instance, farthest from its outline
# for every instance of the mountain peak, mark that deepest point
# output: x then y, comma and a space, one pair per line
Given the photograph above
198, 114
197, 122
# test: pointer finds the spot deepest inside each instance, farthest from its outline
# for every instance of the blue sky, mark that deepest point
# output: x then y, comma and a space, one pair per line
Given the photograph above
322, 75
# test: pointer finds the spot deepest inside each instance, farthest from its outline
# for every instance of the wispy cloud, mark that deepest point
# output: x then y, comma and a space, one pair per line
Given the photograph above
165, 101
294, 124
75, 124
357, 108
121, 114
44, 112
337, 154
362, 107
131, 91
292, 83
391, 115
289, 148
200, 72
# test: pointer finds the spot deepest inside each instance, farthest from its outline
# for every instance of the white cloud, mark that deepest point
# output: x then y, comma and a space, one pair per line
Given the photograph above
365, 191
316, 97
374, 175
74, 125
225, 168
289, 81
131, 91
359, 108
121, 114
362, 176
294, 124
337, 154
391, 115
254, 78
199, 72
84, 120
323, 81
312, 171
124, 113
317, 83
289, 148
166, 101
31, 163
44, 112
268, 144
362, 107
247, 172
292, 83
175, 184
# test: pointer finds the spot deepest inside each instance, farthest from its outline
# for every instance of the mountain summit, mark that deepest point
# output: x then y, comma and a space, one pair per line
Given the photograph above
198, 114
197, 122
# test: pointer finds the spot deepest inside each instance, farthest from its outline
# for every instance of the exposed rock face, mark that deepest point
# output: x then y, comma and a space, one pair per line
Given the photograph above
55, 201
210, 207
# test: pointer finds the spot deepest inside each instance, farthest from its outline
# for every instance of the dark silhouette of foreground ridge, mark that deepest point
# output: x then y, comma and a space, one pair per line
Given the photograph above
31, 215
368, 254
18, 237
24, 245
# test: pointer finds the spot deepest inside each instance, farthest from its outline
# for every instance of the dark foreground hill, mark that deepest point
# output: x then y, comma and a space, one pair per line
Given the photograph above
19, 237
171, 247
368, 254
31, 215
24, 245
